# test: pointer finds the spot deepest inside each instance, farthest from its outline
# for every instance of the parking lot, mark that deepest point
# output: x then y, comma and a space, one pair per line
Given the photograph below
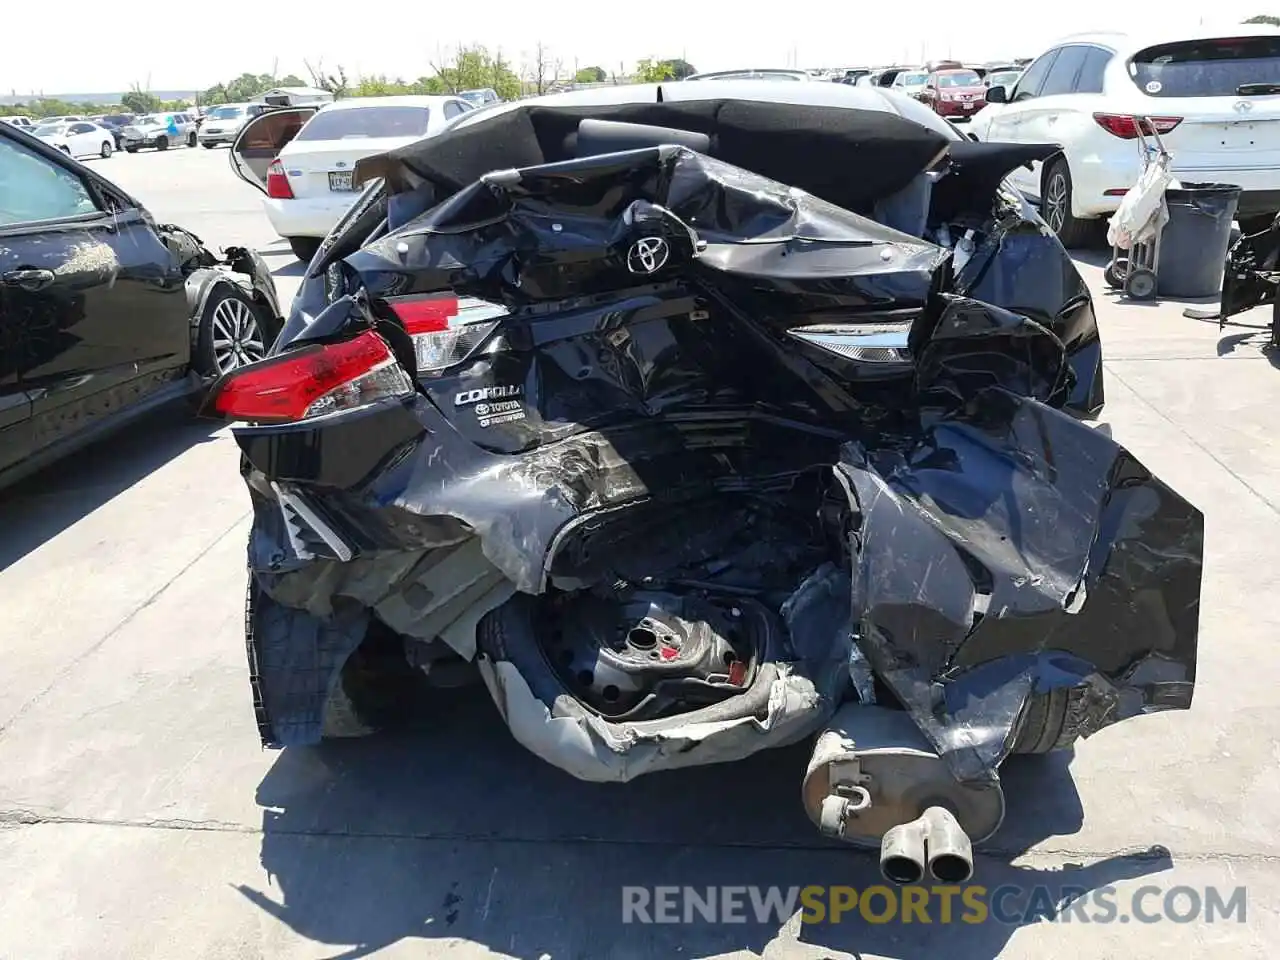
140, 819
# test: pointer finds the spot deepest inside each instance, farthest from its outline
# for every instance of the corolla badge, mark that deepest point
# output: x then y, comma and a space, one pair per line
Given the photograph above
648, 255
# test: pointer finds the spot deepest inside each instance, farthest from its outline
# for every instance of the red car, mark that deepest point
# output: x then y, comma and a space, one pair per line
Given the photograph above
955, 94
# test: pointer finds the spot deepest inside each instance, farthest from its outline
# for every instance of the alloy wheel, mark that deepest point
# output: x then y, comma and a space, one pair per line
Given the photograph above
237, 337
1055, 202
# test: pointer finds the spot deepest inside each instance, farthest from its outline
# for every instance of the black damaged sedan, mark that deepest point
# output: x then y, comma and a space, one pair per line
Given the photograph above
106, 314
700, 419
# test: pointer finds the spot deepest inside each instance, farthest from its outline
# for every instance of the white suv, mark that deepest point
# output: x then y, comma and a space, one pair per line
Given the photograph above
1214, 98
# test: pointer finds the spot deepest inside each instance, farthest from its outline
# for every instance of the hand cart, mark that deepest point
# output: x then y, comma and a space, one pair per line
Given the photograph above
1137, 226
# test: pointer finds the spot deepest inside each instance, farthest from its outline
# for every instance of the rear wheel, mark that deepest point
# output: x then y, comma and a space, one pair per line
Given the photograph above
1051, 721
304, 248
162, 143
1055, 205
191, 139
106, 149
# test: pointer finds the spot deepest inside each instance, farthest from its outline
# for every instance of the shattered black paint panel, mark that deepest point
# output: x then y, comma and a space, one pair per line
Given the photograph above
1008, 547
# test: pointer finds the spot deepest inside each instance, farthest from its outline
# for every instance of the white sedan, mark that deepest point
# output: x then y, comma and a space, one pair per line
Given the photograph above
78, 139
305, 168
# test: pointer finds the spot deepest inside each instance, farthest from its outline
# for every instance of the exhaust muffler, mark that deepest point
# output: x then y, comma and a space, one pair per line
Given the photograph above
874, 781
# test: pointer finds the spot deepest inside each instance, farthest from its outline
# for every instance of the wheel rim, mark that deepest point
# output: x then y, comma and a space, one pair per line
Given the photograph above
237, 338
1055, 202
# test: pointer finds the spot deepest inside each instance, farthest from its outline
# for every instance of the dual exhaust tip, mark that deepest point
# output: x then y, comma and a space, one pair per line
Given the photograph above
935, 842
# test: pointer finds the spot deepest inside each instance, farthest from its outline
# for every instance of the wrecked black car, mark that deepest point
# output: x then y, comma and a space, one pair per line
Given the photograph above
106, 314
700, 424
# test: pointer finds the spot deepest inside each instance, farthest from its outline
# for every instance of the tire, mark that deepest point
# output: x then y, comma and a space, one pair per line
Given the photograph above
355, 706
208, 146
106, 150
1115, 273
191, 140
162, 143
234, 331
1055, 206
1140, 284
130, 149
304, 248
1051, 721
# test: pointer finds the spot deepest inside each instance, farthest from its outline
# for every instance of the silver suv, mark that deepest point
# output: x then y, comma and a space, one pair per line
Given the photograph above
222, 123
159, 130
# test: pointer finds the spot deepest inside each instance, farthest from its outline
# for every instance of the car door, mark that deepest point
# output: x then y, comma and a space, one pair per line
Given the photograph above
261, 140
1012, 121
81, 140
1048, 120
93, 297
929, 92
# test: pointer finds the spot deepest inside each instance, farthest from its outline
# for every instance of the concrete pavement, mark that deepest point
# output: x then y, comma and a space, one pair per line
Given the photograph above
139, 819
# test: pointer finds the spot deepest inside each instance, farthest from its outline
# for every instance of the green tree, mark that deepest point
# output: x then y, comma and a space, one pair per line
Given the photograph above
680, 68
1264, 18
590, 75
472, 68
138, 100
649, 70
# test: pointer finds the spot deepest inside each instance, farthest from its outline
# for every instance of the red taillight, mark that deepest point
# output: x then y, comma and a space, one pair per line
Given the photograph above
426, 314
277, 183
1125, 126
311, 381
443, 331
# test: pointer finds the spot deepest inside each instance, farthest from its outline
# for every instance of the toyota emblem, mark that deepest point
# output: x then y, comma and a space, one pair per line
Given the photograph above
648, 255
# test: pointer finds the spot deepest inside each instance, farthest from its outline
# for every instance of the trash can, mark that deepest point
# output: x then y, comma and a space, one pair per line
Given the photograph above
1193, 247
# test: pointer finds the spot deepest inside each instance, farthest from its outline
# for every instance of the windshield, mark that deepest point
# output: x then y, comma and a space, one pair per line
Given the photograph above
1206, 68
149, 120
362, 122
1006, 79
225, 113
913, 79
959, 78
49, 129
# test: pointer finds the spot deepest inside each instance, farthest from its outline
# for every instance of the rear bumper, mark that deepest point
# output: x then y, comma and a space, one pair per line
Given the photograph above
1093, 177
307, 216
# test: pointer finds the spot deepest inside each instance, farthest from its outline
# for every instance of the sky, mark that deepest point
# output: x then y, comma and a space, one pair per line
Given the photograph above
203, 48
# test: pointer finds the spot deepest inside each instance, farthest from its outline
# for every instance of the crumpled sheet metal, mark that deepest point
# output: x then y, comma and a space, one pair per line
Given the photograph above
592, 749
563, 231
1009, 548
436, 592
802, 700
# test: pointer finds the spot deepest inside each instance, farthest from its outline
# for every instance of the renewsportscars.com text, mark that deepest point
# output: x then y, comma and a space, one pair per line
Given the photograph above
1009, 904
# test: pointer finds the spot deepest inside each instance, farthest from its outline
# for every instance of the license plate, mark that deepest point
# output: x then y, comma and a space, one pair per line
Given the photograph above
340, 181
968, 106
1245, 136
